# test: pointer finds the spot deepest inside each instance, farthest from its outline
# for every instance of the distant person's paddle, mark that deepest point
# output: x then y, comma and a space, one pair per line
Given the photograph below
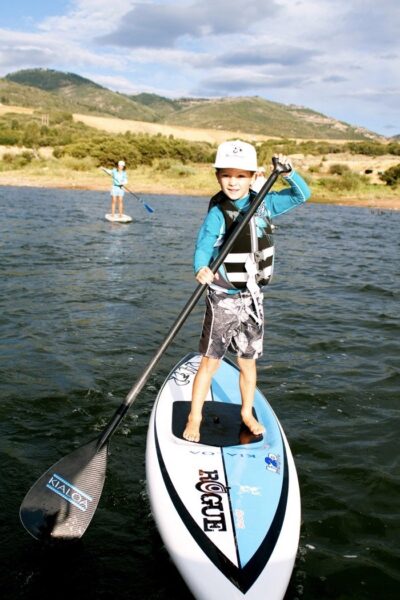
147, 206
63, 500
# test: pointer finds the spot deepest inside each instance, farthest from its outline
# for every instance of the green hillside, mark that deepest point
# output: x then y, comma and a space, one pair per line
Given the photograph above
85, 95
162, 106
251, 115
49, 80
46, 88
259, 116
15, 94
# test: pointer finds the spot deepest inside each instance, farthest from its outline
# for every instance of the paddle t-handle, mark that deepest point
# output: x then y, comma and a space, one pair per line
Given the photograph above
282, 168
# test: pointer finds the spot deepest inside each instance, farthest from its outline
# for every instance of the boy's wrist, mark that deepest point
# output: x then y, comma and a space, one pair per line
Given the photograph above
289, 174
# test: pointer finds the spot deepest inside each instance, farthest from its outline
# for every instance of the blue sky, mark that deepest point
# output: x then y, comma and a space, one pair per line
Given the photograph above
338, 57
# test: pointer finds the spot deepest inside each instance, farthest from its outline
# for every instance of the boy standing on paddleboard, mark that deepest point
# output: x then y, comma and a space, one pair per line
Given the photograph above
234, 317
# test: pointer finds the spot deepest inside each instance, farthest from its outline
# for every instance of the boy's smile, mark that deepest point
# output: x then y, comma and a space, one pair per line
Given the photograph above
235, 183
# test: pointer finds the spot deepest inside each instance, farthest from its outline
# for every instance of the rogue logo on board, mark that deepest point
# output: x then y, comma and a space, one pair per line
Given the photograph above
69, 492
211, 500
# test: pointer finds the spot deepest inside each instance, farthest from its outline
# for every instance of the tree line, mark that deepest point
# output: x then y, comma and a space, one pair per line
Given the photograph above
76, 140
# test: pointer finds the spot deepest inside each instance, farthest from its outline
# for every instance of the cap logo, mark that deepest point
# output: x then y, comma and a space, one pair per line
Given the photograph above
236, 154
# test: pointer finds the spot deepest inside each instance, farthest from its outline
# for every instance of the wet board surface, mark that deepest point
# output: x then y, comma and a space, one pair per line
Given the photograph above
228, 507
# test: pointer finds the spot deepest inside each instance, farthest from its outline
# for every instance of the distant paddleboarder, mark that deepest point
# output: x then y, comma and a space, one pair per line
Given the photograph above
119, 179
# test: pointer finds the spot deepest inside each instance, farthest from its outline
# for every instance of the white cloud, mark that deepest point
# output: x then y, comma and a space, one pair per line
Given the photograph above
266, 53
29, 50
241, 81
160, 25
87, 17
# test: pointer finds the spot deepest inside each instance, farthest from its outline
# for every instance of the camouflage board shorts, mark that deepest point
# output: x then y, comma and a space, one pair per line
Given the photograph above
233, 323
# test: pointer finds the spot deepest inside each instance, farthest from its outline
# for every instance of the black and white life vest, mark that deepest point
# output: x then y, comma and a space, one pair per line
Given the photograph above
251, 259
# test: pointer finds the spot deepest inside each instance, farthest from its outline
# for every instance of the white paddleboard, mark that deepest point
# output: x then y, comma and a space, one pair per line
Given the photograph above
117, 218
227, 508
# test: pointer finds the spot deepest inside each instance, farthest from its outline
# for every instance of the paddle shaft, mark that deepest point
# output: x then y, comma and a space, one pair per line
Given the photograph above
147, 206
138, 386
133, 194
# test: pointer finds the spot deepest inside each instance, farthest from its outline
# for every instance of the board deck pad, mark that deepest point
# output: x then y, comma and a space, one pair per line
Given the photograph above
221, 426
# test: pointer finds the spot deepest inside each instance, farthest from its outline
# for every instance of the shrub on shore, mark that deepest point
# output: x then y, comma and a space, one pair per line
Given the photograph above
79, 164
77, 147
348, 182
16, 161
318, 148
338, 169
58, 129
391, 176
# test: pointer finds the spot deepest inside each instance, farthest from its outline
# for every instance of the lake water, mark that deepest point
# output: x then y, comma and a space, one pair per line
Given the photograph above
84, 306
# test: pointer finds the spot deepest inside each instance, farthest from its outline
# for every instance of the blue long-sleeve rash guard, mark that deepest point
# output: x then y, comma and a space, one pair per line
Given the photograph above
276, 203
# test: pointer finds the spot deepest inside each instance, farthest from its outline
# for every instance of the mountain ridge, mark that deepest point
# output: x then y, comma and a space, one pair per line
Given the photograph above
48, 88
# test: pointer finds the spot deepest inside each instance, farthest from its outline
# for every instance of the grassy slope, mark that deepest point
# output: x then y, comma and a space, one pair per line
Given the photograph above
67, 91
162, 106
252, 115
113, 125
101, 101
15, 94
259, 116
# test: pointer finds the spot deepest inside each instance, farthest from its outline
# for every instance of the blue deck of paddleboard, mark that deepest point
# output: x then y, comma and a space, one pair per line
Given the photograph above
254, 471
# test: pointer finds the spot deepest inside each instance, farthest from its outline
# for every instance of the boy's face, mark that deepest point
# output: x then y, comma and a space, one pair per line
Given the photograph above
235, 183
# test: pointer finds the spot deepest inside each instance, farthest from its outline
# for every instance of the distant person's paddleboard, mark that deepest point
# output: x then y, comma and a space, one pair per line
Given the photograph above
117, 218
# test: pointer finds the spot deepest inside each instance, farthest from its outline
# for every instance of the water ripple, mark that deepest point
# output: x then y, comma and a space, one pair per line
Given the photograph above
86, 304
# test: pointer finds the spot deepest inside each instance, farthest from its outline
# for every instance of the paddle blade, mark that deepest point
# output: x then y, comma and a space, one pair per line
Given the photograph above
148, 208
63, 500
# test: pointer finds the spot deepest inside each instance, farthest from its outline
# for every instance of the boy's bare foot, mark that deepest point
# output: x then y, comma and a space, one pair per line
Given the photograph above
192, 429
251, 423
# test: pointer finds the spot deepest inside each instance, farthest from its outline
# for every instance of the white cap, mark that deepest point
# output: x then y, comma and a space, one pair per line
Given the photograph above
121, 163
236, 155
